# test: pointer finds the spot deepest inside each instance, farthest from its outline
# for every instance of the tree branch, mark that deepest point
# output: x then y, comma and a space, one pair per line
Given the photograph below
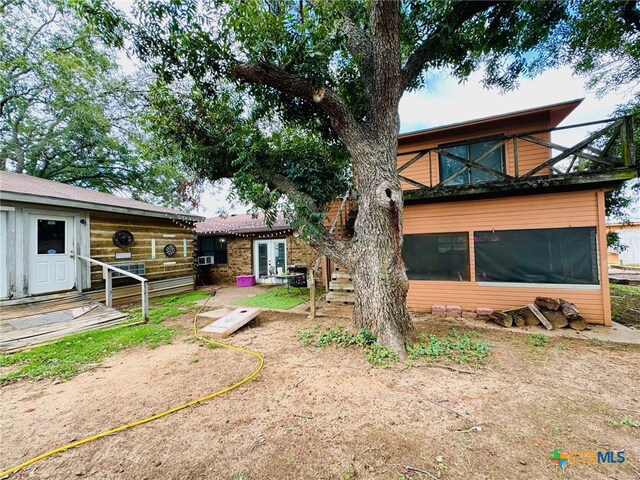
428, 49
325, 243
385, 94
341, 119
360, 48
631, 14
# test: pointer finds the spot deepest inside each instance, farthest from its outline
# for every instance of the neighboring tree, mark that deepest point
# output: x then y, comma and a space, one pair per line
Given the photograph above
601, 40
289, 97
68, 113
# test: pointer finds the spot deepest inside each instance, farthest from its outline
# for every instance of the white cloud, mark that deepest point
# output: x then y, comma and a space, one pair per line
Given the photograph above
452, 102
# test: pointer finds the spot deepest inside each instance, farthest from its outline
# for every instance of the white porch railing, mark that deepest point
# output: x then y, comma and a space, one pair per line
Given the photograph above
107, 272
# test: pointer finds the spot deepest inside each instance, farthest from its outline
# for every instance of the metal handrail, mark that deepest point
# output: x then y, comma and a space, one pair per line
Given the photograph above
107, 272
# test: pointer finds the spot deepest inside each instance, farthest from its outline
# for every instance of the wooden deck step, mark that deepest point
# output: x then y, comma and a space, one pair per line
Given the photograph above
338, 275
348, 297
340, 286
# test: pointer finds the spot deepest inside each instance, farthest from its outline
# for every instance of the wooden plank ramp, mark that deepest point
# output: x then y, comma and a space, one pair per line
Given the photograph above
22, 328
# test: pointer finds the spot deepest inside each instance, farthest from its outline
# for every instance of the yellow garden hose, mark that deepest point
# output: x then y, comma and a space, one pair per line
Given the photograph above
157, 415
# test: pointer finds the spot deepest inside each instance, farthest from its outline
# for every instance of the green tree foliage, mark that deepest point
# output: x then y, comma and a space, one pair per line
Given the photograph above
601, 39
68, 113
273, 138
292, 97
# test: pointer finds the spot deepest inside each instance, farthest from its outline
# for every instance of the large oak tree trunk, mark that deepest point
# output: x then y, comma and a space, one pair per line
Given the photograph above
377, 268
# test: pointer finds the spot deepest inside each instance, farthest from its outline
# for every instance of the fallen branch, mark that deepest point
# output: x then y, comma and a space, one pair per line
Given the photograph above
308, 417
424, 472
259, 441
627, 409
469, 430
460, 414
446, 367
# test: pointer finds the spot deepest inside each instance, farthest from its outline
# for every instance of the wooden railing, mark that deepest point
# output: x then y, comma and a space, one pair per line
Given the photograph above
107, 274
610, 148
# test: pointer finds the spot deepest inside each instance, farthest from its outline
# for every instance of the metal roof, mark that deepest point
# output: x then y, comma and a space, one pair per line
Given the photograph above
25, 188
245, 223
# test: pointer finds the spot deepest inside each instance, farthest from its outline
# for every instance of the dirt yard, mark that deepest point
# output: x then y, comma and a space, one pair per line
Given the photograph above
327, 414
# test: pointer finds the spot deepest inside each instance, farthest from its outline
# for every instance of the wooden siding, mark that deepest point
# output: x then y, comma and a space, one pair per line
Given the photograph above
131, 293
557, 210
144, 230
427, 169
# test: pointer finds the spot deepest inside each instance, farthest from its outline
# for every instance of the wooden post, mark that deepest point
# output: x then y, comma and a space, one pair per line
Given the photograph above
312, 296
516, 167
626, 142
145, 302
108, 291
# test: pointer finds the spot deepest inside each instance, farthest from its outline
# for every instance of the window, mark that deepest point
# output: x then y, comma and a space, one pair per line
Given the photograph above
215, 247
471, 151
51, 237
136, 268
437, 256
557, 255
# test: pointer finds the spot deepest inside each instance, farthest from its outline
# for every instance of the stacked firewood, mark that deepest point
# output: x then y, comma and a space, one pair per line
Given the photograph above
553, 313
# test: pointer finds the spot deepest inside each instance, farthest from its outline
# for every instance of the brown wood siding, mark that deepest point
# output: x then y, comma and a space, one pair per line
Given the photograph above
426, 170
144, 229
557, 210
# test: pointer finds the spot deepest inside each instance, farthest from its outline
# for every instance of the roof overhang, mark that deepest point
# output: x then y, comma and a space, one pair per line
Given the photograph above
522, 186
60, 202
556, 112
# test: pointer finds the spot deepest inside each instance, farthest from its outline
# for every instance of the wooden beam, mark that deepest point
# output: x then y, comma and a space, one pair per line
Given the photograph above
412, 161
628, 147
595, 158
540, 316
412, 182
571, 151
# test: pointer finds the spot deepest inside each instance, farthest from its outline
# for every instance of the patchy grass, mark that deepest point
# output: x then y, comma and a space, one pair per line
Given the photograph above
625, 422
74, 354
338, 336
164, 308
466, 348
625, 304
282, 300
83, 351
537, 340
459, 348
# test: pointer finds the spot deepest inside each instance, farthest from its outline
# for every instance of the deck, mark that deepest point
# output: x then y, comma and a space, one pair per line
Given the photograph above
28, 322
605, 158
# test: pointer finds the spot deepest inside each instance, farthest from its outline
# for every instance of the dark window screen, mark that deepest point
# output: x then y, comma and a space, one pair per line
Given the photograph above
557, 255
51, 237
437, 256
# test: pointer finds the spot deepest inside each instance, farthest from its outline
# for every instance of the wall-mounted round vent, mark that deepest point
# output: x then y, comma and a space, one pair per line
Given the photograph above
123, 238
170, 250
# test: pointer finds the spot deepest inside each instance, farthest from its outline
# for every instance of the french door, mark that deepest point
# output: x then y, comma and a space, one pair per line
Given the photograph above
269, 259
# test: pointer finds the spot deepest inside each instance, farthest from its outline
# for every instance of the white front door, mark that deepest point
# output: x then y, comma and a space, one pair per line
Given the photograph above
4, 271
51, 240
269, 258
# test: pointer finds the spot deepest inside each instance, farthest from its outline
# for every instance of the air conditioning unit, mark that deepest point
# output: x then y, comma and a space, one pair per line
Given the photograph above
208, 260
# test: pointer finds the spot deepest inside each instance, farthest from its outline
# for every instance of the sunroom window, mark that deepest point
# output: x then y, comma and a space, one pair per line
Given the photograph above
452, 171
437, 256
550, 255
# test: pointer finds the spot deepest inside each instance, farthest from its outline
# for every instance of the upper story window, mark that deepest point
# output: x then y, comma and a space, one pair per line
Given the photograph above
486, 153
